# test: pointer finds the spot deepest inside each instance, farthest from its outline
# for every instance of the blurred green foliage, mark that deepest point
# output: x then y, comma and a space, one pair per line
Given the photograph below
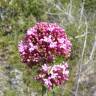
90, 5
10, 93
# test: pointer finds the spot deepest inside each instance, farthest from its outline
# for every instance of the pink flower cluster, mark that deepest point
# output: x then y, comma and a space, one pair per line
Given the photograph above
43, 42
53, 75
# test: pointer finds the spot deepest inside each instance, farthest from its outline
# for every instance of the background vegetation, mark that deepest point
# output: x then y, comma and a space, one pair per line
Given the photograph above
79, 20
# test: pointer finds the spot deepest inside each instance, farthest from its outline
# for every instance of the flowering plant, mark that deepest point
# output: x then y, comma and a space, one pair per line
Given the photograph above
43, 42
40, 46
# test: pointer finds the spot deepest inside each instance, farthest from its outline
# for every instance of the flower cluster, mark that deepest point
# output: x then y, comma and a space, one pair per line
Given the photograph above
53, 75
43, 42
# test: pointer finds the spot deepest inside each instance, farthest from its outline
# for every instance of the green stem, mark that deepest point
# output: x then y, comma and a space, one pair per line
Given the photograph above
53, 92
43, 90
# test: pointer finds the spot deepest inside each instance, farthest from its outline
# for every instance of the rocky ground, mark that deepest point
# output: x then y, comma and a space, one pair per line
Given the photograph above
11, 80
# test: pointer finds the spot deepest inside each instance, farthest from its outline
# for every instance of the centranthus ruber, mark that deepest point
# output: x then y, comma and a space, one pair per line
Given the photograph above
43, 42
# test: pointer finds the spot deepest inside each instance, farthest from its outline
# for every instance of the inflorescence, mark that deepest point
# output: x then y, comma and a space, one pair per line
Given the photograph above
41, 44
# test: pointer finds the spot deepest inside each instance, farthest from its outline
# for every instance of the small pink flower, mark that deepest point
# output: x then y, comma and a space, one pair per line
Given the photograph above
21, 47
47, 83
47, 39
61, 40
53, 44
63, 46
32, 47
45, 67
31, 31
